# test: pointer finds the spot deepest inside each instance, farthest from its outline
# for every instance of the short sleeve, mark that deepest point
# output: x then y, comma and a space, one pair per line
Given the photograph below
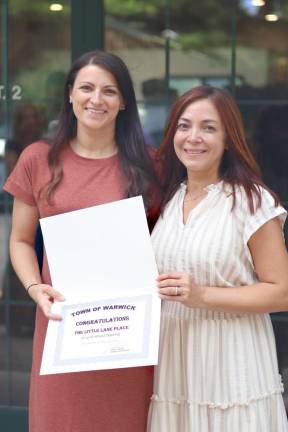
263, 214
19, 183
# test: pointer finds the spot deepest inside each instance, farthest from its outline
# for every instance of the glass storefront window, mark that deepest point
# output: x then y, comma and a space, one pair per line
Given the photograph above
169, 47
200, 45
35, 54
262, 51
136, 32
39, 52
21, 331
4, 359
262, 44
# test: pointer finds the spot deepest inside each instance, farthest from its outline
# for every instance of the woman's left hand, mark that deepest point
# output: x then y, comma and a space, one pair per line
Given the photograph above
180, 287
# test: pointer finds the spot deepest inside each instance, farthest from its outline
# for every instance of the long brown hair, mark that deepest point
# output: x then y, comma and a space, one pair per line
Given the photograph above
238, 167
135, 160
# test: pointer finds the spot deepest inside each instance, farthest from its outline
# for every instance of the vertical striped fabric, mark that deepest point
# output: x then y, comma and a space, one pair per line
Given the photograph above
217, 371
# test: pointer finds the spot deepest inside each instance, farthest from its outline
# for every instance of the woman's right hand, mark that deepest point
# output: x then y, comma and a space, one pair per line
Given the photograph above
44, 295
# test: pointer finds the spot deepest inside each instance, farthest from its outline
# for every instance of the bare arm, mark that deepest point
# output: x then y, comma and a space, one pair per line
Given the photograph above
270, 294
23, 257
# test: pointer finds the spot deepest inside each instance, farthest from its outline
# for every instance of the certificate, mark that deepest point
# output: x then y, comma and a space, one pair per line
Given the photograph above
101, 259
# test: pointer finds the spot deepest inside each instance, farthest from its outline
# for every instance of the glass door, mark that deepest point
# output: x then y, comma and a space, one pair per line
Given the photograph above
35, 55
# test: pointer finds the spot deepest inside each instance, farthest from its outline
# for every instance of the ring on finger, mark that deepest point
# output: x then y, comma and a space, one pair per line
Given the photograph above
178, 291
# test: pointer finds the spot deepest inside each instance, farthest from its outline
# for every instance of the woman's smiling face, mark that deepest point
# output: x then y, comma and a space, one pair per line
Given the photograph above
96, 98
199, 141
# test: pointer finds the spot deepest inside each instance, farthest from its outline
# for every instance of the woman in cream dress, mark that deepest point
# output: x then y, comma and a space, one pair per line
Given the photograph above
223, 267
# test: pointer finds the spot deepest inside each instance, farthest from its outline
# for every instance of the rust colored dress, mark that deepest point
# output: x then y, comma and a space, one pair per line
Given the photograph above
97, 401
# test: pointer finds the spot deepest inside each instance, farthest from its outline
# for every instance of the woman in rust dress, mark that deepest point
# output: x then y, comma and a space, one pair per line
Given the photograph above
98, 155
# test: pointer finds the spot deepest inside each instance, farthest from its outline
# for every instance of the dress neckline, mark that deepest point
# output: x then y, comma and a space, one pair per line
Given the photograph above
92, 161
211, 189
213, 186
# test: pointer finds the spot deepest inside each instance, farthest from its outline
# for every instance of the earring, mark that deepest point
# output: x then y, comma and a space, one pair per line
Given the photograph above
70, 99
122, 107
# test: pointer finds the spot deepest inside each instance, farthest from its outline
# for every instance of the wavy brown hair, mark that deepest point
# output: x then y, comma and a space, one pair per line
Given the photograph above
237, 168
135, 160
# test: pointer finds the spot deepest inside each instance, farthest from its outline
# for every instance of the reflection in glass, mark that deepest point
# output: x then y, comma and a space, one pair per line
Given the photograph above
265, 42
4, 365
21, 322
135, 33
38, 57
27, 126
169, 51
271, 138
201, 54
39, 53
15, 358
5, 224
263, 95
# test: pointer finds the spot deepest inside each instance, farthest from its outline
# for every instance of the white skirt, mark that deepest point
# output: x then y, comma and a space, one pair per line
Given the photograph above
217, 373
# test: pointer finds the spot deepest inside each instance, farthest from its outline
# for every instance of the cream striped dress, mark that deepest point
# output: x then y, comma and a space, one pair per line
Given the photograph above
217, 371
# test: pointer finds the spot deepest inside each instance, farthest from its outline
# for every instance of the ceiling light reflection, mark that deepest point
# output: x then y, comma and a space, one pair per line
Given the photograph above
56, 7
258, 3
271, 17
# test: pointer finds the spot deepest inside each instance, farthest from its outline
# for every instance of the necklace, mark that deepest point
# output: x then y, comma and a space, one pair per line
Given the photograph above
194, 198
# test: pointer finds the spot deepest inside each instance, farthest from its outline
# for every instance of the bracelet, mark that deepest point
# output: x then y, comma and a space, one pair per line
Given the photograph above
32, 284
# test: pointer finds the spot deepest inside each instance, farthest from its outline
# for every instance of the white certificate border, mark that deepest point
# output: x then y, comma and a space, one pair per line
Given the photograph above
147, 299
